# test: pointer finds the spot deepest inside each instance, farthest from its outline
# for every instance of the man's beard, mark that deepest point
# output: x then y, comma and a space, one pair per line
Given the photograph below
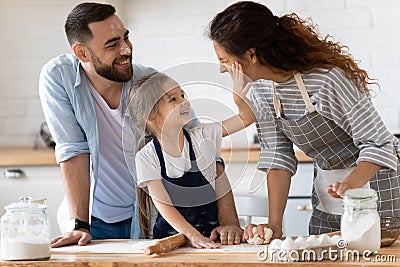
109, 72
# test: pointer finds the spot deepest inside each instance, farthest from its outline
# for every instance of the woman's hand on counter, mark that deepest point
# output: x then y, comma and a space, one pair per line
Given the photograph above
80, 237
248, 231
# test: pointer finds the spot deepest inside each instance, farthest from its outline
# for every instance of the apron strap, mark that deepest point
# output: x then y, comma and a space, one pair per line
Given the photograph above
277, 102
303, 91
304, 95
160, 155
191, 151
157, 146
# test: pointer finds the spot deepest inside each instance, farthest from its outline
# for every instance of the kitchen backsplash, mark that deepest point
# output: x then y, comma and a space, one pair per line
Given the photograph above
167, 33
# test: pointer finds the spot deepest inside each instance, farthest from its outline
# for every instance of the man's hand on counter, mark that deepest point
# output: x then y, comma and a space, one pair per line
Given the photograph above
80, 237
227, 235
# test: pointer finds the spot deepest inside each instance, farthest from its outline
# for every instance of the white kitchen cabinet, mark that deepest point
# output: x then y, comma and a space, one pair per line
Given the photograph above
246, 180
39, 182
297, 216
301, 184
298, 208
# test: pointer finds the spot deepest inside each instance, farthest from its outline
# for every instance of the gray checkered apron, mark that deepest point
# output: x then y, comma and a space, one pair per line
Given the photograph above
332, 148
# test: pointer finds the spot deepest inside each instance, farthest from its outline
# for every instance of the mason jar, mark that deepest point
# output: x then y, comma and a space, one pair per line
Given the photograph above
25, 231
360, 223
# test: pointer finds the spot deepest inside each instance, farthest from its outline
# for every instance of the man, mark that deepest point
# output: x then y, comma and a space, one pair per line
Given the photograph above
84, 97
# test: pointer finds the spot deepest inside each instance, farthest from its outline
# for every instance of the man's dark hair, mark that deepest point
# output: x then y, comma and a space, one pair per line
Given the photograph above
76, 25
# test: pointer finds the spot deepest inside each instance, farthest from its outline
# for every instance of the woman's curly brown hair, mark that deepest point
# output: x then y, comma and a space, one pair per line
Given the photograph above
286, 43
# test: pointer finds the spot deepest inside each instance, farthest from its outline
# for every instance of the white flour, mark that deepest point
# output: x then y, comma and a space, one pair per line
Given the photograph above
13, 250
362, 232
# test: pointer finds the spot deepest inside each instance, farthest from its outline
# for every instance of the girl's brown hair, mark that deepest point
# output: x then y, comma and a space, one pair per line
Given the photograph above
143, 100
286, 43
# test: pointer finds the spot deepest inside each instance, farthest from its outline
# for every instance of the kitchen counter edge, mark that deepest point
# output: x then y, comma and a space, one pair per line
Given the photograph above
26, 156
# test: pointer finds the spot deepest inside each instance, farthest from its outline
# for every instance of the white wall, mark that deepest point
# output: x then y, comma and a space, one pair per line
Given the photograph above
168, 33
32, 32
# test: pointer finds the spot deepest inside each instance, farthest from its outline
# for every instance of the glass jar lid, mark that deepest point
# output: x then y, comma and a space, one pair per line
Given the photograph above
25, 203
360, 194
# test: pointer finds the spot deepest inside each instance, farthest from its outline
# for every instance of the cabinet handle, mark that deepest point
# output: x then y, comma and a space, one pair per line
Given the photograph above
14, 173
303, 207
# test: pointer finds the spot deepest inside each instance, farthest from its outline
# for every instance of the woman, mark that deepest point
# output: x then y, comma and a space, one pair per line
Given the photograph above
309, 92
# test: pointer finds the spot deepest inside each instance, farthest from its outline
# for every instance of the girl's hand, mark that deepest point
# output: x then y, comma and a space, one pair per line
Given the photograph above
236, 73
248, 231
199, 241
337, 189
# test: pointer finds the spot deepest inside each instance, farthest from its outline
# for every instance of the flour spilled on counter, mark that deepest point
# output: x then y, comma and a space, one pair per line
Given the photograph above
108, 246
13, 250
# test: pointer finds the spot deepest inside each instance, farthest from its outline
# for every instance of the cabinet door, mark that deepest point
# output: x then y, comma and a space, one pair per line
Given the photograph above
245, 179
39, 182
301, 184
297, 216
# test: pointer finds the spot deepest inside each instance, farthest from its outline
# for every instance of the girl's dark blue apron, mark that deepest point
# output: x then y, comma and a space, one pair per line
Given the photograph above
192, 195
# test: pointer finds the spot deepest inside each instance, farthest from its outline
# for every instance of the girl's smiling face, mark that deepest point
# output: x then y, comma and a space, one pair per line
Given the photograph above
173, 109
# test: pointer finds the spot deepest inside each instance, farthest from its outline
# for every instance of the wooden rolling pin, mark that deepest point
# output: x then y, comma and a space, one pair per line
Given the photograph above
166, 244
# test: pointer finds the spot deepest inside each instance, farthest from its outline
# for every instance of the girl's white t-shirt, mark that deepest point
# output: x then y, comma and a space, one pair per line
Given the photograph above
206, 141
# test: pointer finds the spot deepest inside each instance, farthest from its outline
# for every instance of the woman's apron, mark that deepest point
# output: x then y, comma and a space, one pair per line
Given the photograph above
192, 195
335, 156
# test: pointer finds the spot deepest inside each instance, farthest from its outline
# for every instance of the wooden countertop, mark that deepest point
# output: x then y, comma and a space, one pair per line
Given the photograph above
252, 153
176, 259
25, 156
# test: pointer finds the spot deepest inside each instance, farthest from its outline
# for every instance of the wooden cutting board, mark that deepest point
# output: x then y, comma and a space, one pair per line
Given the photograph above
138, 246
130, 246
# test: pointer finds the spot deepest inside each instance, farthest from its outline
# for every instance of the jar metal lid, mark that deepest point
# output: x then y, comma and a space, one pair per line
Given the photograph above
25, 203
360, 194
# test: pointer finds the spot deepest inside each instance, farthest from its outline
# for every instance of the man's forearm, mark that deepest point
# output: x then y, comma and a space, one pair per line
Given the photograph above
76, 179
227, 214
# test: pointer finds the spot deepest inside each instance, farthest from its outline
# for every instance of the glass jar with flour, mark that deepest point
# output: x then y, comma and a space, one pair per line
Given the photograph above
360, 224
25, 231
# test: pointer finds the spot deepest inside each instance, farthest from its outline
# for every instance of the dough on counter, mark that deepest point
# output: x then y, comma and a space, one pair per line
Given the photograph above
257, 240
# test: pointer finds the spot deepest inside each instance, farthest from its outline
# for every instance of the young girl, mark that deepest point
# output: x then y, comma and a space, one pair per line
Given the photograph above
178, 166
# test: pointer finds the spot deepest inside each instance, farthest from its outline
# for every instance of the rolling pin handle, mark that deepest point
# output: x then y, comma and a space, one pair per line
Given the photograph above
166, 244
150, 250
